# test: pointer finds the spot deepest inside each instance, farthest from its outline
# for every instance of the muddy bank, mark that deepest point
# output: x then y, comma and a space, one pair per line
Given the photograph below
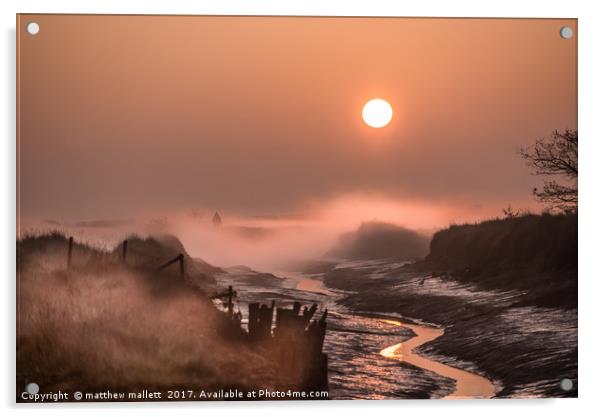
524, 348
536, 254
353, 342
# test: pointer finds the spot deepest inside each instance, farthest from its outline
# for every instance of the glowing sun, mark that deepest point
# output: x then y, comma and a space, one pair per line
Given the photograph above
377, 113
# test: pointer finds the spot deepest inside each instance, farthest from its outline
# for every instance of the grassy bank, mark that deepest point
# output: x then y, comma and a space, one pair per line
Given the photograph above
504, 290
102, 324
533, 253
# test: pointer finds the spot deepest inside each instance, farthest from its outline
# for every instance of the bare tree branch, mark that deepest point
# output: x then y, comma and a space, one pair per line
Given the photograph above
555, 156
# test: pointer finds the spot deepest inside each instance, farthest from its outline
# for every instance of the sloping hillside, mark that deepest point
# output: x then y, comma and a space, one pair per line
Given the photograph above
155, 251
104, 324
375, 240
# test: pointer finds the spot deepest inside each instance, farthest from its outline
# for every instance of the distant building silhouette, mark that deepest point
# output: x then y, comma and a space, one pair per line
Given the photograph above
217, 219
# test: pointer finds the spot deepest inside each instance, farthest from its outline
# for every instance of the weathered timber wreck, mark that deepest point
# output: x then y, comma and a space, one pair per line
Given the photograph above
290, 338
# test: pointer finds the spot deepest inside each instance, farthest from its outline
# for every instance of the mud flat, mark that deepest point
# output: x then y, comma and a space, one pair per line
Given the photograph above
356, 369
524, 349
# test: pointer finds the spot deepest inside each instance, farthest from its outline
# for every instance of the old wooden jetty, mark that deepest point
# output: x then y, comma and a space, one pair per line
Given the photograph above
290, 338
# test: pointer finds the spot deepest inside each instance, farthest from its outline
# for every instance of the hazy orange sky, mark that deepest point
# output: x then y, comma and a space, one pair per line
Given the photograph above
127, 115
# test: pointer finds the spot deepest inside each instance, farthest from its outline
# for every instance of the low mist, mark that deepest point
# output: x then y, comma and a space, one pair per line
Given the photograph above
267, 242
376, 240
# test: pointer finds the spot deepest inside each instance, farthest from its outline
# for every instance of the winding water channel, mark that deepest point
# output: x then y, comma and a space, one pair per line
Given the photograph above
468, 385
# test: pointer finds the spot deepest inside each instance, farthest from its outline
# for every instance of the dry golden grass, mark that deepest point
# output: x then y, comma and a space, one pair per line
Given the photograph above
103, 325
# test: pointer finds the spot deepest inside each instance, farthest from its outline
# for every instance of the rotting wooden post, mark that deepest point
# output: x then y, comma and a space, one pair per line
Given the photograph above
308, 314
182, 271
230, 304
124, 250
253, 319
322, 331
296, 307
70, 252
324, 316
272, 309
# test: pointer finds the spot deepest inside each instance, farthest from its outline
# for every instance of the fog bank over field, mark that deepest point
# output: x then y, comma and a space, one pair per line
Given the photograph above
375, 240
266, 240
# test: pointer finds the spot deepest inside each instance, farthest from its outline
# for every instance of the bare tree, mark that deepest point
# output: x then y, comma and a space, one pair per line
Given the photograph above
555, 156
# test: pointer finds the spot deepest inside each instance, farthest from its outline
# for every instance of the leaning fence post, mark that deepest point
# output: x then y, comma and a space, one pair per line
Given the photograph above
180, 260
124, 250
69, 251
182, 274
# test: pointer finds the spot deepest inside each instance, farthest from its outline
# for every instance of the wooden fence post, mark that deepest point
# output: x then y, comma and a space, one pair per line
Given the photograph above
70, 252
230, 304
230, 293
182, 271
180, 259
